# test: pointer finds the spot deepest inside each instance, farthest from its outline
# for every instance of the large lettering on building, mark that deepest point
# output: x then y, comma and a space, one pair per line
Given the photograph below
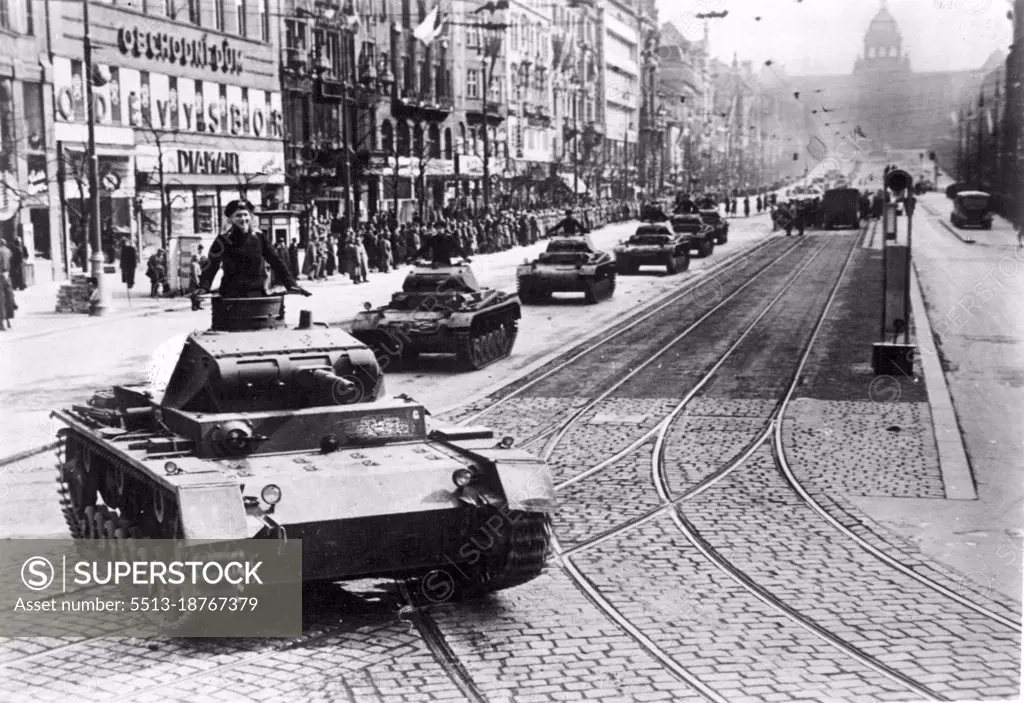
161, 46
207, 162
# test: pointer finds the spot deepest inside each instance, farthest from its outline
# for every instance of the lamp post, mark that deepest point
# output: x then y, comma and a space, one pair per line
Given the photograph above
103, 305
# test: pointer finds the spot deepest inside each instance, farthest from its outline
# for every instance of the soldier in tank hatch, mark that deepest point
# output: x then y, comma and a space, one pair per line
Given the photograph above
442, 247
241, 252
569, 225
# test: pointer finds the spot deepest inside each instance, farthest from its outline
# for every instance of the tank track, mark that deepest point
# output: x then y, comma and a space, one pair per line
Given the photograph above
128, 510
521, 557
490, 338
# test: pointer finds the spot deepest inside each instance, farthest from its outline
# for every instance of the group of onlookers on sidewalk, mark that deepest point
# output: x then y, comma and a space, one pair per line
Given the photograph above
381, 243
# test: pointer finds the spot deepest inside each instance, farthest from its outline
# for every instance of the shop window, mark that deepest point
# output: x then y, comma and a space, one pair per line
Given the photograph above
205, 207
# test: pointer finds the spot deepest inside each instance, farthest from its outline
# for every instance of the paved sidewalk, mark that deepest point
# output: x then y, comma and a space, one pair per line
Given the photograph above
37, 316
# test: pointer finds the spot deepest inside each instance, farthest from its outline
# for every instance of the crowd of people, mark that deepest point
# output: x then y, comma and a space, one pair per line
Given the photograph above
381, 243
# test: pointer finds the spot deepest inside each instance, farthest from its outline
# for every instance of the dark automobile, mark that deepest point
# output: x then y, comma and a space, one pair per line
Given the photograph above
702, 240
719, 226
971, 209
653, 245
840, 207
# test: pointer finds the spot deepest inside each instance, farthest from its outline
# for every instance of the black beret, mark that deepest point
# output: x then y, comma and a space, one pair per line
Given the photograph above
236, 205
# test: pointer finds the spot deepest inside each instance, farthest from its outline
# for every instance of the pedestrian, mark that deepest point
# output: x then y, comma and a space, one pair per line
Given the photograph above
352, 257
156, 272
7, 304
309, 264
293, 259
195, 274
746, 206
129, 262
18, 256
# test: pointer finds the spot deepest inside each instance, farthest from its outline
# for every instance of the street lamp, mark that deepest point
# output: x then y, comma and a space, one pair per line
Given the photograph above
103, 303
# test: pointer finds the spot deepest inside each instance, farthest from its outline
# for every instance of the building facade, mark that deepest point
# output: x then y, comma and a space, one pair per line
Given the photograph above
28, 194
187, 113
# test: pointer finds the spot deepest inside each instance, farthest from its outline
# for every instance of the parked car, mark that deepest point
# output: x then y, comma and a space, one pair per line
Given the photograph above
971, 208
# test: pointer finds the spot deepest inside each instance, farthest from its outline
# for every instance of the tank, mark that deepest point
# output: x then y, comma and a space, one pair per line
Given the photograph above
441, 310
653, 245
568, 265
266, 431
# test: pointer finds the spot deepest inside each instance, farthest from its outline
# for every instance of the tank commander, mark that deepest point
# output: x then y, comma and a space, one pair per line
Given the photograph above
569, 225
242, 251
442, 247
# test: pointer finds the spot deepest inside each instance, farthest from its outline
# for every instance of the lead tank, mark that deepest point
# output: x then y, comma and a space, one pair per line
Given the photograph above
275, 432
442, 309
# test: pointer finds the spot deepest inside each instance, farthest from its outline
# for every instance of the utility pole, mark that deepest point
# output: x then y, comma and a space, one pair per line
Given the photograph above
103, 305
575, 143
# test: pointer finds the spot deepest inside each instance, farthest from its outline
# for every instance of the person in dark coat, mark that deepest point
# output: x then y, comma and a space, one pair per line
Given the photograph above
241, 252
18, 256
156, 272
129, 262
746, 206
7, 304
293, 259
442, 247
569, 224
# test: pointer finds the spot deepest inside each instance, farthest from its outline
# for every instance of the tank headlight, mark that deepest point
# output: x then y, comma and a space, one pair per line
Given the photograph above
170, 468
271, 494
367, 306
465, 476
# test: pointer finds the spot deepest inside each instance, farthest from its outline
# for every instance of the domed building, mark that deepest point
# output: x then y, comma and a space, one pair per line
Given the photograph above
891, 104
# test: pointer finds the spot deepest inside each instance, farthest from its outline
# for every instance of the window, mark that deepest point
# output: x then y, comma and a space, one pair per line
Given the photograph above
29, 24
5, 14
387, 137
240, 16
403, 138
204, 214
264, 20
473, 37
194, 11
472, 83
435, 141
448, 143
218, 14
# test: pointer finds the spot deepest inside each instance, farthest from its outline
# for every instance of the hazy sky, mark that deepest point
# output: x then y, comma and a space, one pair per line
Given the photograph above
825, 36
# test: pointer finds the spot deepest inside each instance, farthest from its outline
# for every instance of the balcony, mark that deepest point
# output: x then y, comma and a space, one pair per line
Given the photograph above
416, 105
496, 111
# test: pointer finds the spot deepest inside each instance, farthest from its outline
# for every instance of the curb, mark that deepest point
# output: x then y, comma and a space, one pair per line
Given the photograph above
956, 234
90, 321
957, 478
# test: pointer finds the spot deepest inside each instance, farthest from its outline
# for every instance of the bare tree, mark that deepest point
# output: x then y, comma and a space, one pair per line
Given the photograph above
157, 138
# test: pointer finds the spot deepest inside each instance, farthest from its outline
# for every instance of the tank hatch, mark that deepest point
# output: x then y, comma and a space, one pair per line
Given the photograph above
441, 279
221, 372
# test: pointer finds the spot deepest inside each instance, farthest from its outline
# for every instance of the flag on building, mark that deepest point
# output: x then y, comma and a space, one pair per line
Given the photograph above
953, 118
431, 26
492, 50
557, 45
568, 55
988, 120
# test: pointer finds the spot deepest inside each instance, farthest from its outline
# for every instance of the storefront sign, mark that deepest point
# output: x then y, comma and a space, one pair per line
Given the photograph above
207, 162
160, 46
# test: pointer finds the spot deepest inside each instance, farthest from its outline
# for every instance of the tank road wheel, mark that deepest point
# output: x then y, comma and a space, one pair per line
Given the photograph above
516, 556
670, 266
